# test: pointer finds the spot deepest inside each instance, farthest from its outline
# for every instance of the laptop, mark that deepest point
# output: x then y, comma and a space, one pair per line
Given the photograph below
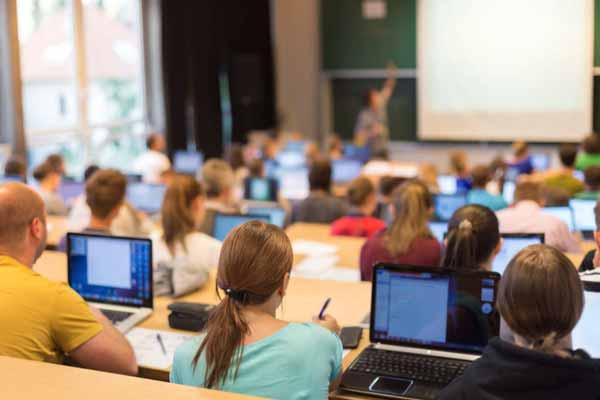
261, 189
427, 325
512, 243
146, 197
447, 184
70, 190
276, 214
584, 218
188, 162
225, 223
293, 183
345, 170
508, 191
114, 274
565, 214
540, 161
362, 154
447, 204
439, 229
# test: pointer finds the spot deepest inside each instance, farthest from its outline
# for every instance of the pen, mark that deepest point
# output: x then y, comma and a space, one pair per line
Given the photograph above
162, 345
324, 307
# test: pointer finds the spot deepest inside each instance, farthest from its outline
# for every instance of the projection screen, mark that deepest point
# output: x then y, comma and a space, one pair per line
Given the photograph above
498, 70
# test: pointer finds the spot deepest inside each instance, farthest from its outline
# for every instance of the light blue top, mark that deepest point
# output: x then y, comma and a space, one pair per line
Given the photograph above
297, 362
484, 198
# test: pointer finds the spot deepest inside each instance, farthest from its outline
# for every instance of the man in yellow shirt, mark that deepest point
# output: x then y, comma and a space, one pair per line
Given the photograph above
40, 319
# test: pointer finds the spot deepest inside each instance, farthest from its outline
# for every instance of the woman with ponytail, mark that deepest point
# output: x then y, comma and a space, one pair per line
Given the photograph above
244, 348
183, 255
541, 299
473, 239
408, 239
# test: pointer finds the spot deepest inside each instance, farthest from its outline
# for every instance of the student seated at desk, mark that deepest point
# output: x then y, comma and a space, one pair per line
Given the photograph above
387, 185
182, 255
49, 180
408, 240
592, 184
590, 156
541, 299
320, 207
363, 201
473, 239
16, 167
219, 182
479, 195
592, 258
564, 178
521, 160
244, 347
527, 217
104, 195
44, 320
153, 162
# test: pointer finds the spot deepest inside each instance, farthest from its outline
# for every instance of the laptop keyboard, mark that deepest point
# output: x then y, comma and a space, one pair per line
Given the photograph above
410, 366
116, 316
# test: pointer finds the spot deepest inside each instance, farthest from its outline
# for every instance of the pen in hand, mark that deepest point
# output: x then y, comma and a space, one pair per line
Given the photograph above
162, 345
324, 307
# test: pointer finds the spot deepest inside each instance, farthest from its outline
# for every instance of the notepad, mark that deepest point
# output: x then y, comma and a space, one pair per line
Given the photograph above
309, 248
148, 351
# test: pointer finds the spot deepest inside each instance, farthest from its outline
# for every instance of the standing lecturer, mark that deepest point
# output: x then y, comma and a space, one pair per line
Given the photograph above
372, 124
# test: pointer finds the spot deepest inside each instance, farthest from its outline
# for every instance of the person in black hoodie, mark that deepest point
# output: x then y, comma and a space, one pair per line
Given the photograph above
541, 299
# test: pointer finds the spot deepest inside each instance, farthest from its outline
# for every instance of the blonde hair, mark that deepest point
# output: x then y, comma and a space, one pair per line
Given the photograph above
412, 203
217, 177
520, 148
458, 162
176, 215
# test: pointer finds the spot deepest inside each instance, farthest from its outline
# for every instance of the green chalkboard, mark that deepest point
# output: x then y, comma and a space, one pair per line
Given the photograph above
349, 41
597, 33
402, 108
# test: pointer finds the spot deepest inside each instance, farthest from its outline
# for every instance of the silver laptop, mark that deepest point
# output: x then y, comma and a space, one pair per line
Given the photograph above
114, 274
427, 325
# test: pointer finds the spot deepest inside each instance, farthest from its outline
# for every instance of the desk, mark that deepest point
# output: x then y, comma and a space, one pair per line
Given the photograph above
350, 300
57, 228
348, 247
32, 380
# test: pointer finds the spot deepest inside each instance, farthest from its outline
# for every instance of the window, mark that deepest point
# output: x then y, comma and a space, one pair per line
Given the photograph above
83, 91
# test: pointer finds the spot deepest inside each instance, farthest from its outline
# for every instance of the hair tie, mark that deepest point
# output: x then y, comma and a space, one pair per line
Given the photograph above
465, 224
238, 295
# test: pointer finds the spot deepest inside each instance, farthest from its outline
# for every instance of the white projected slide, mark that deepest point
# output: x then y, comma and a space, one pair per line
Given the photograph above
419, 309
109, 263
502, 70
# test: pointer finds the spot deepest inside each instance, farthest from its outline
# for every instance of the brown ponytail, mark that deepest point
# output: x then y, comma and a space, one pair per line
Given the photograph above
473, 234
176, 213
255, 258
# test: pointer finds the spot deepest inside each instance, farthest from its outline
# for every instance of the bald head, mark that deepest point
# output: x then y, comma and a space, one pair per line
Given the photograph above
19, 206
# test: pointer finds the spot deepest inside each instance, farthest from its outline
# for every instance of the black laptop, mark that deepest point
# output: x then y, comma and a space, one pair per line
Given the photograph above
427, 325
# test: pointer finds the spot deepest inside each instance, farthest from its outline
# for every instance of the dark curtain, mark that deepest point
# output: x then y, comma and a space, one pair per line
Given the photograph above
210, 46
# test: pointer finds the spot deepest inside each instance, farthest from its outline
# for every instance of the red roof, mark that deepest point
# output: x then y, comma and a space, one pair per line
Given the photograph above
113, 48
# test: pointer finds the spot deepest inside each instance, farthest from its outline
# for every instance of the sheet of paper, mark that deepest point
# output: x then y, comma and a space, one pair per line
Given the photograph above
316, 265
309, 248
147, 349
345, 353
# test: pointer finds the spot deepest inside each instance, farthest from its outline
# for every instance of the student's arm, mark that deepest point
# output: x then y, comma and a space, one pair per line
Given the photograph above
390, 83
107, 351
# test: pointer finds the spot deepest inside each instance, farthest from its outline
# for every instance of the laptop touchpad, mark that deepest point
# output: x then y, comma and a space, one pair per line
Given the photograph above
387, 385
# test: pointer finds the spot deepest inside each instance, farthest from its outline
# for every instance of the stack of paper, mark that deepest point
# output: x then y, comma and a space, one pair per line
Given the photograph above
309, 248
324, 268
148, 350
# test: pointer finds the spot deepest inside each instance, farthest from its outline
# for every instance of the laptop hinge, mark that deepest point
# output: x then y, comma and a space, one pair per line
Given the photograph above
427, 352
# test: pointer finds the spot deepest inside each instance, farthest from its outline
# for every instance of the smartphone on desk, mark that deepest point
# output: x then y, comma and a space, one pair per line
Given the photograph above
350, 336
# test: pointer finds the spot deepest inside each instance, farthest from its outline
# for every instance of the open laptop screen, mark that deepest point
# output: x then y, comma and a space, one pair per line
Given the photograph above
583, 214
446, 204
146, 197
188, 162
225, 223
434, 308
70, 190
447, 184
563, 213
439, 230
293, 183
345, 170
276, 215
511, 245
261, 189
110, 269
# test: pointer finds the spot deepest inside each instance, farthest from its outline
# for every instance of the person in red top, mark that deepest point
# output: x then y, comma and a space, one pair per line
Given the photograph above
408, 239
363, 201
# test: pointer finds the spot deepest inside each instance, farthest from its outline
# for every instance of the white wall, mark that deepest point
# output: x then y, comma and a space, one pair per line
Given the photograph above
296, 38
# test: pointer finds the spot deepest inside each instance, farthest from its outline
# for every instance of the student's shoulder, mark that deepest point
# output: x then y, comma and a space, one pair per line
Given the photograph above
302, 333
185, 352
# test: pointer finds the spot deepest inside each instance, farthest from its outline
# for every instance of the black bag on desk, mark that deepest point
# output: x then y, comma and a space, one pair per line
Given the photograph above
189, 316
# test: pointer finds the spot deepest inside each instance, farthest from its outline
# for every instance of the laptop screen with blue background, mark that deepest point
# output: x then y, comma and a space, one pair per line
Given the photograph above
583, 214
261, 189
113, 270
439, 230
345, 170
563, 213
225, 223
146, 197
511, 245
70, 190
434, 309
188, 162
447, 204
276, 215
